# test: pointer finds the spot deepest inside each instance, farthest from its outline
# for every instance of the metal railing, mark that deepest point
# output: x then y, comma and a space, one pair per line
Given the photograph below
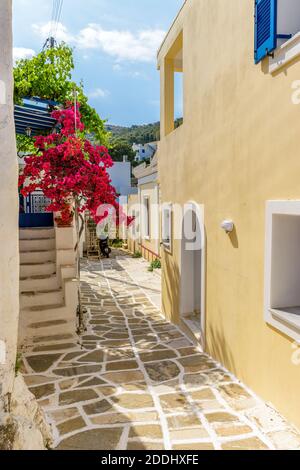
152, 255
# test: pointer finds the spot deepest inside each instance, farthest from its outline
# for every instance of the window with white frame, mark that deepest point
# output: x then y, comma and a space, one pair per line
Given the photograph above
167, 226
282, 267
146, 217
277, 31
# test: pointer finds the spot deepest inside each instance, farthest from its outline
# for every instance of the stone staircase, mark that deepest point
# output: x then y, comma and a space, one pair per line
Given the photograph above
48, 287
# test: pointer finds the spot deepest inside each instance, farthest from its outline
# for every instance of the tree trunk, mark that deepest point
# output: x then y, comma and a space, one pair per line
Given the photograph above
79, 232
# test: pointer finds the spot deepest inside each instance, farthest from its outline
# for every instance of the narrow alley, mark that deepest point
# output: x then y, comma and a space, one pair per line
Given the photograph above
134, 381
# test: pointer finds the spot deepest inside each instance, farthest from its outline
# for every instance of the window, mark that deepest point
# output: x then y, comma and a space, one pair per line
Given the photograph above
146, 217
167, 226
172, 92
178, 99
276, 22
282, 271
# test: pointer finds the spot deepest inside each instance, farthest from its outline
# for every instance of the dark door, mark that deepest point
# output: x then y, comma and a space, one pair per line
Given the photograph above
33, 212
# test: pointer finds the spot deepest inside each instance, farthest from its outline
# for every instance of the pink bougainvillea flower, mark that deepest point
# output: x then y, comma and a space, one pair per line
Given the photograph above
68, 168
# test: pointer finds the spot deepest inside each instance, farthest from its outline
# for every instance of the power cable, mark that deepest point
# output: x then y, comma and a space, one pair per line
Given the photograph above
58, 15
53, 27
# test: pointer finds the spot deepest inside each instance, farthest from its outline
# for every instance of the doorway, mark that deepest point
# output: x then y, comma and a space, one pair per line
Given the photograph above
192, 298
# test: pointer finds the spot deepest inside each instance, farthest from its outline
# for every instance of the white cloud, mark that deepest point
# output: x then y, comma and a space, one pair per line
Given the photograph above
44, 30
123, 45
22, 53
140, 46
98, 93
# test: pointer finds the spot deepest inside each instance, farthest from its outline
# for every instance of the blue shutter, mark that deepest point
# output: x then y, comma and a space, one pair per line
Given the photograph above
265, 28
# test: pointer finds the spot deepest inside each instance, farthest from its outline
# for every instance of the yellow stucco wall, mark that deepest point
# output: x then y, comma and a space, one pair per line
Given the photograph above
149, 247
132, 203
239, 146
152, 243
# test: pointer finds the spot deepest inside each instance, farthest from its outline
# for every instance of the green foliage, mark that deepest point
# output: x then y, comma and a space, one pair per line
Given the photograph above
94, 125
156, 264
117, 243
138, 134
25, 145
48, 75
137, 255
118, 148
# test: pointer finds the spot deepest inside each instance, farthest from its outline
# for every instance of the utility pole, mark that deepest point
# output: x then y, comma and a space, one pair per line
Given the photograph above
50, 43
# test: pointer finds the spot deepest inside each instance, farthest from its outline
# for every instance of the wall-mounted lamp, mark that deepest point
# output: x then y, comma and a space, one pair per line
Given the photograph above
227, 225
28, 131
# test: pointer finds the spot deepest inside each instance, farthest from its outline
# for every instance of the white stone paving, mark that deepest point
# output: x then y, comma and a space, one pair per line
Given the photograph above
134, 381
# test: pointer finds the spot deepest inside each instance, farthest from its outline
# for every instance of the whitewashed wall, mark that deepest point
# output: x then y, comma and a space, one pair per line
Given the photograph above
120, 175
9, 250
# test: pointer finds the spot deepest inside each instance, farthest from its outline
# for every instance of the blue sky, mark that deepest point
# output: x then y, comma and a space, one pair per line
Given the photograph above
115, 47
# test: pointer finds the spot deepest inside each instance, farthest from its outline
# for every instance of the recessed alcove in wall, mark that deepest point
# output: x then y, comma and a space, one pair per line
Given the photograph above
288, 19
282, 278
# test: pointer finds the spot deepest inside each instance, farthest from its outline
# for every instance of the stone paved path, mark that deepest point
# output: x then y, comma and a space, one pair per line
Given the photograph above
134, 381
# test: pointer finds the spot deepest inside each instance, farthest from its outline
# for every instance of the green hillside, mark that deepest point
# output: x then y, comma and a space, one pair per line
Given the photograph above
135, 134
138, 134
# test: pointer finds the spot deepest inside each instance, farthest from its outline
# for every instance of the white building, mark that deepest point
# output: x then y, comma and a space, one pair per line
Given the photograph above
120, 175
144, 151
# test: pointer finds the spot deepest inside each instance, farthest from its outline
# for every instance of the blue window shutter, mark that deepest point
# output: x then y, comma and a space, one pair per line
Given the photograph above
265, 28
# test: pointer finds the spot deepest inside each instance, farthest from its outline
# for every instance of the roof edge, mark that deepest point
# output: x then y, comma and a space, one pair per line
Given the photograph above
170, 28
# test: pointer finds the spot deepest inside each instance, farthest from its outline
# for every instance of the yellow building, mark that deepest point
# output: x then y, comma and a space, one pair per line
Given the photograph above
236, 161
132, 237
144, 235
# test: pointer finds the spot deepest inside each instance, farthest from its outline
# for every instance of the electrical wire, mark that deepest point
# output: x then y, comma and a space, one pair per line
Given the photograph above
55, 19
59, 11
56, 15
54, 10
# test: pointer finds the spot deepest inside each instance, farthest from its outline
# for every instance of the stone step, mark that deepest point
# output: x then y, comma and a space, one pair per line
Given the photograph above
49, 308
52, 327
54, 339
52, 318
46, 313
37, 269
48, 297
37, 244
36, 233
39, 283
28, 257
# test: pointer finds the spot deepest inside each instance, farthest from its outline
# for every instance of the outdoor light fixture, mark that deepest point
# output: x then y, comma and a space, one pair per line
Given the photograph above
228, 226
28, 131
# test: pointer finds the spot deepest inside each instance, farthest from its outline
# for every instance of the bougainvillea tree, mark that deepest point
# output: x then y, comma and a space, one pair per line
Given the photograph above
71, 172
